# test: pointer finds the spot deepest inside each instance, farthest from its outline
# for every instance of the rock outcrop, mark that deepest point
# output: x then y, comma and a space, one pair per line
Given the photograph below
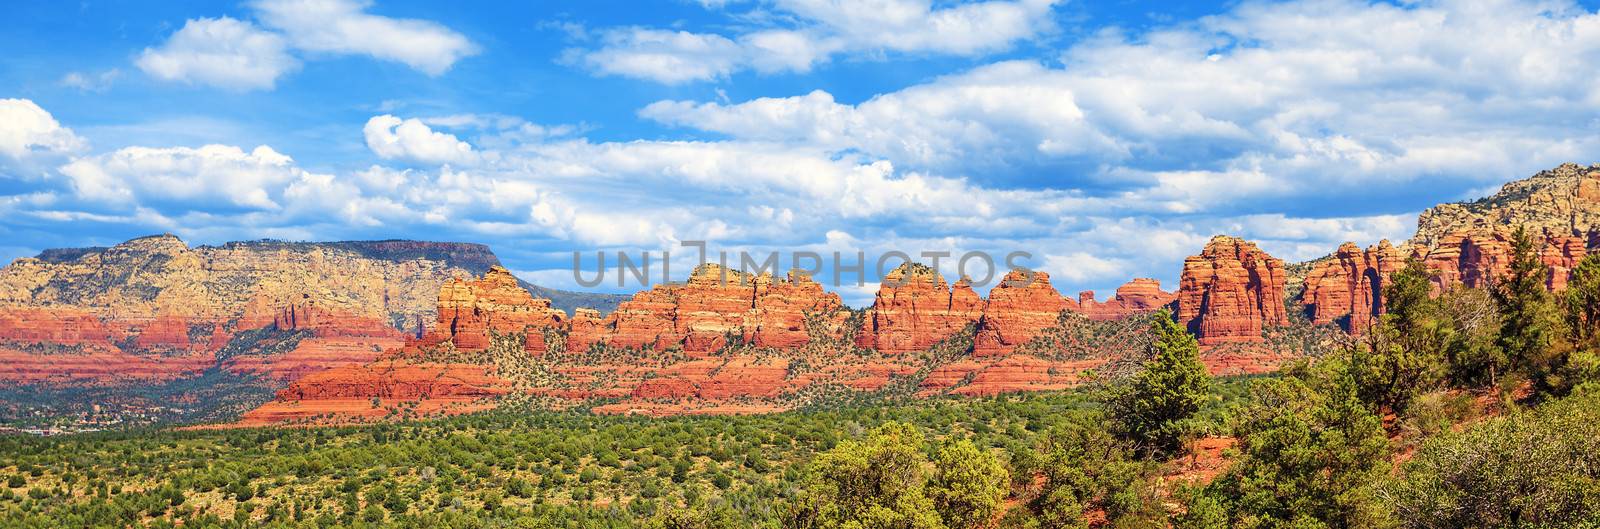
469, 311
1134, 297
1564, 201
154, 309
1468, 243
782, 308
1019, 307
1348, 287
395, 282
307, 316
915, 309
71, 347
714, 305
1231, 291
1474, 258
162, 276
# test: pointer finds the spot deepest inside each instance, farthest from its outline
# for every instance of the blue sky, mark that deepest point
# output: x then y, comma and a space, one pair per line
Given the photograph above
1108, 139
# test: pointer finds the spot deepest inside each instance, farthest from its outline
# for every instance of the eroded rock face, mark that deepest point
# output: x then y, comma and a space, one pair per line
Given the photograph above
470, 310
1134, 297
388, 281
1562, 254
154, 308
1348, 288
58, 326
915, 309
307, 316
71, 347
782, 307
715, 304
1473, 258
584, 329
1020, 306
1564, 201
1468, 243
1231, 291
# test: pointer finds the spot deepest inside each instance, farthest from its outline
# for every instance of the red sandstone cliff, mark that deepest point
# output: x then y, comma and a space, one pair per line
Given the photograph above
470, 310
1137, 296
1475, 257
1020, 306
915, 309
713, 305
1348, 288
1231, 291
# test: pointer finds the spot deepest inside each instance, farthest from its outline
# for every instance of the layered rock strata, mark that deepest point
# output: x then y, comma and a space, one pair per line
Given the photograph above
1231, 291
1347, 289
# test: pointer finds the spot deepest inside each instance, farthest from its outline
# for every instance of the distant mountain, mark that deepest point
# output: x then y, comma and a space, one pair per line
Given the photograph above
395, 281
155, 330
1564, 201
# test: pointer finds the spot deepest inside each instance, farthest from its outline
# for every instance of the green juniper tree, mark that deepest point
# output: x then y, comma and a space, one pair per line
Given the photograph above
1310, 454
1399, 356
1153, 410
1583, 301
968, 485
1530, 328
876, 482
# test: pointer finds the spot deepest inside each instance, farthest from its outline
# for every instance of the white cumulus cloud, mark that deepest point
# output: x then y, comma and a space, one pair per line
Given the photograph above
240, 55
410, 139
820, 30
1266, 103
212, 174
344, 27
26, 129
222, 52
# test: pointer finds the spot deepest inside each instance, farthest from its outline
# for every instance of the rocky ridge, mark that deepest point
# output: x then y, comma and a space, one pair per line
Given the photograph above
1348, 288
724, 341
1467, 244
1560, 202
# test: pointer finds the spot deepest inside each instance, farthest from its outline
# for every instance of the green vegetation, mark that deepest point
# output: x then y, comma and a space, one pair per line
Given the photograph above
566, 469
1154, 409
1534, 469
1311, 451
1530, 328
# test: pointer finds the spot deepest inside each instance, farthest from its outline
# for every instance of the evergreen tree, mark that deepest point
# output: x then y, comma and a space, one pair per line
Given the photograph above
968, 485
1154, 409
1311, 453
1398, 358
1583, 300
1529, 327
877, 482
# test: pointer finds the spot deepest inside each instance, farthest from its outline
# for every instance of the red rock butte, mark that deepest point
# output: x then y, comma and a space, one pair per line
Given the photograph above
1231, 291
1139, 295
1347, 288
